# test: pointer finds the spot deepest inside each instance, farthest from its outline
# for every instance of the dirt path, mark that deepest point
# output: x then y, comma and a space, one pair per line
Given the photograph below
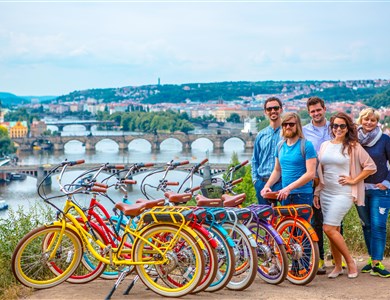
364, 287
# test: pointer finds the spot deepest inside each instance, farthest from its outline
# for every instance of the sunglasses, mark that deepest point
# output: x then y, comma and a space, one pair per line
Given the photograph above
342, 126
288, 124
275, 108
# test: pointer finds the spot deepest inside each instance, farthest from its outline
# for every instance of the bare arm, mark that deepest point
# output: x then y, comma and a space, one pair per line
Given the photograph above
275, 175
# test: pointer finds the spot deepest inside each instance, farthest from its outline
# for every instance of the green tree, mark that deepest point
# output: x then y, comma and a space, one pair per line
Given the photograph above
234, 118
6, 144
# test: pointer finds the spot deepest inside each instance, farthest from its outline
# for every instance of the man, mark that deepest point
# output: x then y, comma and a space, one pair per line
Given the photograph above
317, 132
295, 162
297, 168
263, 159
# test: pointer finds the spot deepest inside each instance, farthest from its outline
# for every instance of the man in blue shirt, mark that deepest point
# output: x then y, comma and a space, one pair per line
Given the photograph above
317, 132
296, 169
263, 159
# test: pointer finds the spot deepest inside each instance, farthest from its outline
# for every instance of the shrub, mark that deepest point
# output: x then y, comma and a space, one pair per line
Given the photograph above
12, 229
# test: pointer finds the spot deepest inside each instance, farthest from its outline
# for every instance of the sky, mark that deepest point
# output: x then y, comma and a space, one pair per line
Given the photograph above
57, 47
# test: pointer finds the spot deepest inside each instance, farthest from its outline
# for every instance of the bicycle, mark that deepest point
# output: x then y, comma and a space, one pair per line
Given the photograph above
300, 239
158, 248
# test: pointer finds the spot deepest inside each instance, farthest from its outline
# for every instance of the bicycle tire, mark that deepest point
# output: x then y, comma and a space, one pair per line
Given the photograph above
226, 261
272, 258
30, 260
245, 258
211, 263
302, 265
185, 265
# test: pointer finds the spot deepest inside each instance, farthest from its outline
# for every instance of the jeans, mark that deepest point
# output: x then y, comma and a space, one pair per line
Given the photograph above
373, 217
259, 185
317, 223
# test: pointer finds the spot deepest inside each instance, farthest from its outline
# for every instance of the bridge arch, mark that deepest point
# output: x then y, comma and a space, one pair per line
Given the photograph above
171, 144
107, 145
135, 144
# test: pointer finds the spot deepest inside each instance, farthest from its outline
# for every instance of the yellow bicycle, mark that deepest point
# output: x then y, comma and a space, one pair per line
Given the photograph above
162, 246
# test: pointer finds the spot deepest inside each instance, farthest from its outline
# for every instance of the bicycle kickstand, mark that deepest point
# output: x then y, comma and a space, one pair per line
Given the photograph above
121, 277
131, 285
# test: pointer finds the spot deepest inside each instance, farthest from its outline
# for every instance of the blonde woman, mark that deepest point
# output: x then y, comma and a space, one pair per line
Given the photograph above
377, 197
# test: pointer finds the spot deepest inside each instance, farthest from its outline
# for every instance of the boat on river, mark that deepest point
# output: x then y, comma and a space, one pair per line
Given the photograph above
3, 205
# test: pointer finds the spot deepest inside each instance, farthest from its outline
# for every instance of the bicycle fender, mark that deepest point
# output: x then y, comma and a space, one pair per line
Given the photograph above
309, 228
247, 232
275, 234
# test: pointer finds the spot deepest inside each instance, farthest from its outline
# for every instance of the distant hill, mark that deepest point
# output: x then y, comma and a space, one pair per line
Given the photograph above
8, 99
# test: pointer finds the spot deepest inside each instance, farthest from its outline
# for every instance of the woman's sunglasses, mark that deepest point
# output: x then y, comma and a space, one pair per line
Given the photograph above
342, 126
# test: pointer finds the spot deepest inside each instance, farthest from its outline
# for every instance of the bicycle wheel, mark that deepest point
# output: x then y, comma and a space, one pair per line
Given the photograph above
225, 260
272, 261
185, 266
31, 262
211, 262
245, 258
302, 251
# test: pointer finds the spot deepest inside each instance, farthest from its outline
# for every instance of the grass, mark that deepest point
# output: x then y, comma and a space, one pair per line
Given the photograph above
12, 229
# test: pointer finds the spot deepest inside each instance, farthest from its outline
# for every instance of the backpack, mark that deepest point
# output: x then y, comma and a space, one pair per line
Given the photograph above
303, 144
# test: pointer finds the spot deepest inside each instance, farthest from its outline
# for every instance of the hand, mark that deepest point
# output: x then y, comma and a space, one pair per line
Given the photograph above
381, 186
283, 193
316, 202
266, 189
344, 180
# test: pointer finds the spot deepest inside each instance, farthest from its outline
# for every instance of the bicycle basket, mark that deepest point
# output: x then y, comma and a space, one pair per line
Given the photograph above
212, 188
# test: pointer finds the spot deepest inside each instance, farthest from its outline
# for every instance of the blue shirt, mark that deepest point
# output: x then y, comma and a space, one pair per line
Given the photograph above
293, 165
317, 135
263, 159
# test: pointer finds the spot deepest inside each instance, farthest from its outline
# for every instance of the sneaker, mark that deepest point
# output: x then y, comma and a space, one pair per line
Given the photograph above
368, 267
321, 268
343, 265
379, 270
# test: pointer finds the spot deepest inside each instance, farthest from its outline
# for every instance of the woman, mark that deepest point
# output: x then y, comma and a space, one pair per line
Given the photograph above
377, 200
343, 165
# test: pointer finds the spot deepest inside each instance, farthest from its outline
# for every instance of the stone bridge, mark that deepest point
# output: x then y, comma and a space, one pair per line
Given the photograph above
40, 171
58, 142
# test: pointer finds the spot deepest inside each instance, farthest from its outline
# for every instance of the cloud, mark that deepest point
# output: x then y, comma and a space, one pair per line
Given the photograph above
53, 48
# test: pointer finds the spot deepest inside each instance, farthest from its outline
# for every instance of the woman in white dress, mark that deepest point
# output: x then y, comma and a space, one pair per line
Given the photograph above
343, 166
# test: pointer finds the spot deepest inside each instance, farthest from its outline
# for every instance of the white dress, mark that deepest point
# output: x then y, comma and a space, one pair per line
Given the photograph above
335, 199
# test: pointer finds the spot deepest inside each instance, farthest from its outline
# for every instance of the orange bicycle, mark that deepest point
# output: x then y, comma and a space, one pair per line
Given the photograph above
300, 238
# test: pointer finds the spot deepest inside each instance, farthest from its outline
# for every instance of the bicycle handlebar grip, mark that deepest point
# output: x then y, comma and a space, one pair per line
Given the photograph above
234, 182
116, 167
101, 185
203, 162
172, 183
146, 165
129, 181
194, 189
98, 189
74, 162
244, 163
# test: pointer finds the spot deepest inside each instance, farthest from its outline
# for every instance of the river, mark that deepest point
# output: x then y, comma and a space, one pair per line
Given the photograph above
23, 193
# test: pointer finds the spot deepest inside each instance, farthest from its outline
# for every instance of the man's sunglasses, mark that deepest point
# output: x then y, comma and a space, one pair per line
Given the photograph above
288, 124
275, 108
342, 126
